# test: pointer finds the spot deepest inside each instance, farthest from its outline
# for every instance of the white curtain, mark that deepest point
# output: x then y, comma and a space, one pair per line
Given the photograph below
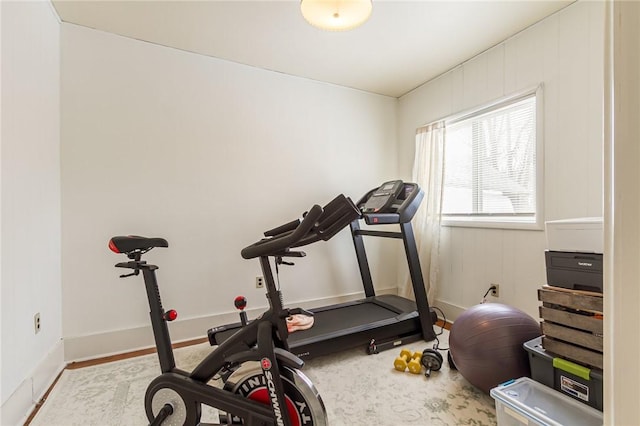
428, 172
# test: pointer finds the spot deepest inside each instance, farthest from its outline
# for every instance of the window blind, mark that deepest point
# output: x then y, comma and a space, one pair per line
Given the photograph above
490, 162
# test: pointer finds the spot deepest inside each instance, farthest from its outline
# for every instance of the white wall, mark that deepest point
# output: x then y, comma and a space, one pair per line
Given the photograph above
565, 54
208, 154
30, 193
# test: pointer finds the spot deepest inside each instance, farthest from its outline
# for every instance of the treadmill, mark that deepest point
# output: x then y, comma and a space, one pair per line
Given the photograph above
375, 322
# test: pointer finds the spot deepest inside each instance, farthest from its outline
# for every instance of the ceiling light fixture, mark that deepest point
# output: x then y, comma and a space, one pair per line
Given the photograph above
336, 15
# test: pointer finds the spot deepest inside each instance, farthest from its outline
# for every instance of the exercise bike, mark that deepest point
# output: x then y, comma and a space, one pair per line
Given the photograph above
263, 384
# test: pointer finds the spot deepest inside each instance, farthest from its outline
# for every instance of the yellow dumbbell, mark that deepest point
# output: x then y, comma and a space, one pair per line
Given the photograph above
415, 366
406, 357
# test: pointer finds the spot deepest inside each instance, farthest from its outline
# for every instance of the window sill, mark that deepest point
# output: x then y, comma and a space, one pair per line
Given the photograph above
493, 223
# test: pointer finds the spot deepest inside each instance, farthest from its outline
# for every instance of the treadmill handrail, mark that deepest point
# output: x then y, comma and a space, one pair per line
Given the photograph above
274, 245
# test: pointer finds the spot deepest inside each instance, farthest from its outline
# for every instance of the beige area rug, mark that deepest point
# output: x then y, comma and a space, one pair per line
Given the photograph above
357, 389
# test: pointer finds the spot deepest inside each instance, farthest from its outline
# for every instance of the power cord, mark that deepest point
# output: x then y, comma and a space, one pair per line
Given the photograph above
431, 359
484, 298
436, 346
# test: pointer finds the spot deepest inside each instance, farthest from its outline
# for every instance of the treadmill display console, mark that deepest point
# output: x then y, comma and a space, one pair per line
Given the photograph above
392, 202
383, 198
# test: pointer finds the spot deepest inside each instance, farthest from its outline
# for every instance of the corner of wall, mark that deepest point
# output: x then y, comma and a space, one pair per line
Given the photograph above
17, 408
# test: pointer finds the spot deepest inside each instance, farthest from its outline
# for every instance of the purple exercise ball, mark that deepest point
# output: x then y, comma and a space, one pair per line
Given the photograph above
485, 343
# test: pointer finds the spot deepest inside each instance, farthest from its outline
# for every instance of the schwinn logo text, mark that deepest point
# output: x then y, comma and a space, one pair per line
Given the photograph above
271, 386
274, 398
263, 384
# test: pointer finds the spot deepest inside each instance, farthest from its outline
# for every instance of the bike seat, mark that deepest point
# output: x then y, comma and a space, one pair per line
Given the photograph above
131, 243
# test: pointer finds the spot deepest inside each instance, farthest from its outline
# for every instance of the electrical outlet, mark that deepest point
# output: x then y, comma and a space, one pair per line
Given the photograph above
259, 282
36, 322
495, 292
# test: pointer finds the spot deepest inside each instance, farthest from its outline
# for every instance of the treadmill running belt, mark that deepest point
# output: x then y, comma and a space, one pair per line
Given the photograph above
343, 318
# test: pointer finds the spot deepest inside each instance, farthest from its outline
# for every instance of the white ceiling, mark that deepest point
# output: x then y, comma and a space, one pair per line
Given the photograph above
404, 43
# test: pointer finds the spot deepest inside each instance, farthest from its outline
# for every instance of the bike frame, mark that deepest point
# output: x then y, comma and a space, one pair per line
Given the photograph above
263, 340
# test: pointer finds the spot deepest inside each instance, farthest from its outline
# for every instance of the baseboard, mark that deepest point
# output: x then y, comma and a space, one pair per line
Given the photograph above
88, 347
451, 311
24, 399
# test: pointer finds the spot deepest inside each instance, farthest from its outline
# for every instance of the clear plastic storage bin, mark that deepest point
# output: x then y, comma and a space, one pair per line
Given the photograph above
526, 402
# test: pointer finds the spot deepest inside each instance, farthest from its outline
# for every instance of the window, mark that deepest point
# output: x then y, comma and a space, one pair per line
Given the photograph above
491, 173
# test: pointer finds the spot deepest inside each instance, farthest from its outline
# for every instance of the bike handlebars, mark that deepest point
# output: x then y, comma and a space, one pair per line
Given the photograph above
276, 244
287, 227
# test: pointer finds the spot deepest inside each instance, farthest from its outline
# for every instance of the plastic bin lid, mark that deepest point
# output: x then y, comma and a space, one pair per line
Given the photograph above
545, 405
